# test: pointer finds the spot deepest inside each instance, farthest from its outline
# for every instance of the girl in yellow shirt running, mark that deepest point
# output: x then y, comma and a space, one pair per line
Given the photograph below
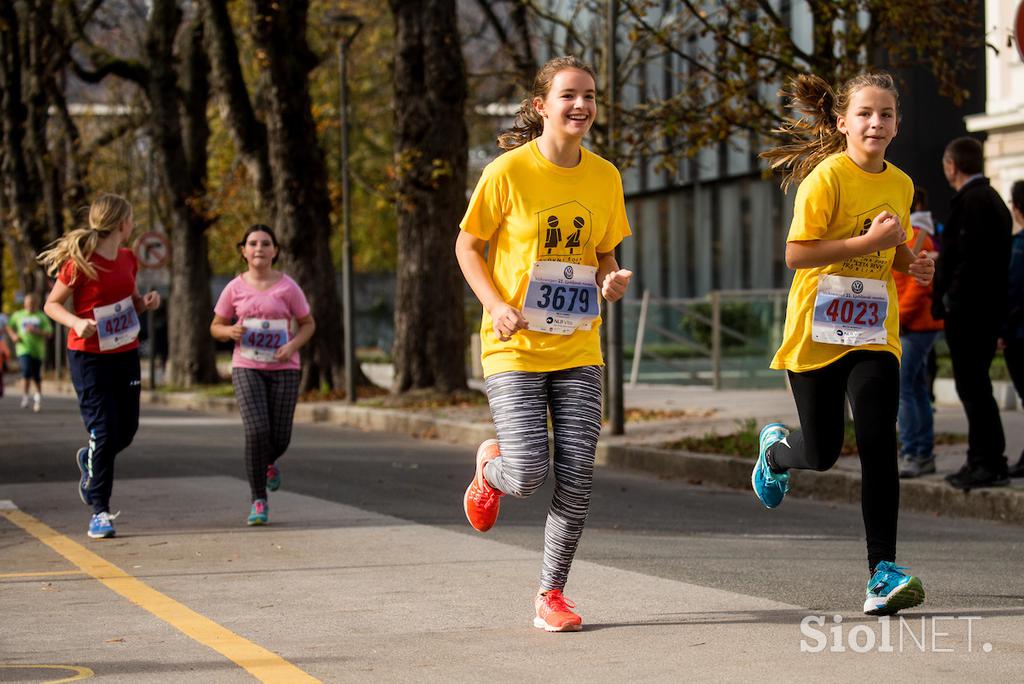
548, 213
841, 339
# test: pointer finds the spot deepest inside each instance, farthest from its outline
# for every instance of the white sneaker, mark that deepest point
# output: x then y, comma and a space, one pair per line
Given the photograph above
24, 401
37, 403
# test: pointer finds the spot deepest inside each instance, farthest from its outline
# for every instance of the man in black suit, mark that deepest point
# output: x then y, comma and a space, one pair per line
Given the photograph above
971, 282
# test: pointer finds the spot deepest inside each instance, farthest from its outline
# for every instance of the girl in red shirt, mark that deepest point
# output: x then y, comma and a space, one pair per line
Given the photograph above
91, 264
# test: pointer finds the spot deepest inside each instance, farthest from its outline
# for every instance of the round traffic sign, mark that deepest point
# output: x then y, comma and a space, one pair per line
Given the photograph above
152, 250
1018, 30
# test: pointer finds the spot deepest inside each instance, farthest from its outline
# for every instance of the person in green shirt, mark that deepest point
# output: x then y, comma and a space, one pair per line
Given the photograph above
29, 329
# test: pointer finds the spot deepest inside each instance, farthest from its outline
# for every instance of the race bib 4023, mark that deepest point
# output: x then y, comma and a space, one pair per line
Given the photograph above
850, 311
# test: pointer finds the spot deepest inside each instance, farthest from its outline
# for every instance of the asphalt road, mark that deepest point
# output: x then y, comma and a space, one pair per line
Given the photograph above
669, 574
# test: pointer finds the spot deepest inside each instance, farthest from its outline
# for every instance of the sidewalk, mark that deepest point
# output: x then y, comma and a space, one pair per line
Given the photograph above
699, 410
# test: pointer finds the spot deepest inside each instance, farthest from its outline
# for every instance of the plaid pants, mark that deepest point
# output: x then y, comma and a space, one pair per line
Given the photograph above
266, 400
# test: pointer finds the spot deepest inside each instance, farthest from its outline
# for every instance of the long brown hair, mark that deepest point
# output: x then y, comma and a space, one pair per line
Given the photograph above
107, 213
529, 124
813, 133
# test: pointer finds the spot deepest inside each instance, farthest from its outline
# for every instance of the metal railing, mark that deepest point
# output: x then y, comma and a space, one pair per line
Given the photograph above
701, 340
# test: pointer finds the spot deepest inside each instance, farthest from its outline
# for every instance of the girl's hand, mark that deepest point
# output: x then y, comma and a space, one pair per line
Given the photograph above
615, 284
85, 327
922, 268
506, 320
151, 301
236, 331
285, 351
886, 232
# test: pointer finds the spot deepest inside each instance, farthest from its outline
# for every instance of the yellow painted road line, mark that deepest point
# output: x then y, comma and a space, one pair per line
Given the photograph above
54, 573
254, 659
80, 672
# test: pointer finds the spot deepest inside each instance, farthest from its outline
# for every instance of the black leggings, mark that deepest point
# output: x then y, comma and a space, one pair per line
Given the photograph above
871, 379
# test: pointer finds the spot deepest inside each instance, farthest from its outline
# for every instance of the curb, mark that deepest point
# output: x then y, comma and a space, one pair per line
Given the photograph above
921, 496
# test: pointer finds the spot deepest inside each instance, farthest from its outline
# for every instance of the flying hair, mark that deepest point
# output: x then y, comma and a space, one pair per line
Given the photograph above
812, 134
107, 213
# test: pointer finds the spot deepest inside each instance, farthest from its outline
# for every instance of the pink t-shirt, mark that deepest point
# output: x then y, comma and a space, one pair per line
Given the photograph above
284, 300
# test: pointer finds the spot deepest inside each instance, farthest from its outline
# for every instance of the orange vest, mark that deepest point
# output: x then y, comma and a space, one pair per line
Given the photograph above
916, 299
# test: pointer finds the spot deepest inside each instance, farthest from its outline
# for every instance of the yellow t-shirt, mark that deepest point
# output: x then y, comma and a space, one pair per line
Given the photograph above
529, 210
839, 200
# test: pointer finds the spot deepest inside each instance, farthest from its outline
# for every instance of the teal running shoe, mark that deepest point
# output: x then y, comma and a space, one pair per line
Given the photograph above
770, 487
258, 514
273, 478
101, 526
890, 589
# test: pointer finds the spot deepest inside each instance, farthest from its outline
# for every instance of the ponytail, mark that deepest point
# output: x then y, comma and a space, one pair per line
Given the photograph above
813, 135
107, 213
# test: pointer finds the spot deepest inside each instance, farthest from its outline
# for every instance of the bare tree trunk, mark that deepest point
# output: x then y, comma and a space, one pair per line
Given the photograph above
236, 110
303, 222
182, 156
430, 134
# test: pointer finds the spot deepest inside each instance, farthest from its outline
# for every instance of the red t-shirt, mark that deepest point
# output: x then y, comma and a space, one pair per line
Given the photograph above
115, 280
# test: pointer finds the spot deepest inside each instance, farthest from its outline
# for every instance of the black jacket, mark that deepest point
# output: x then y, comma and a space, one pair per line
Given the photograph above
972, 274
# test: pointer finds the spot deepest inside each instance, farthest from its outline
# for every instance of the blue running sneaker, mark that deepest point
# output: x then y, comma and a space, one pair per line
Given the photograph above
258, 514
890, 589
83, 466
102, 525
273, 478
770, 487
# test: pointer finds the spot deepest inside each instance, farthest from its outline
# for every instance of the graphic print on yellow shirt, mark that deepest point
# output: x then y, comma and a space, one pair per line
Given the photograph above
839, 200
533, 212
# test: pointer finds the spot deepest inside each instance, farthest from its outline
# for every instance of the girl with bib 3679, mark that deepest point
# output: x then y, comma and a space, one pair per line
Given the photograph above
548, 213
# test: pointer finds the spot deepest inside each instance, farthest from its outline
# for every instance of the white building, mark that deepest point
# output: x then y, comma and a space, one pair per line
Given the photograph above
1003, 118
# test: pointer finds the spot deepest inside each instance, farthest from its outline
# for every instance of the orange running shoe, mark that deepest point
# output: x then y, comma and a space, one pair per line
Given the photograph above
482, 500
554, 613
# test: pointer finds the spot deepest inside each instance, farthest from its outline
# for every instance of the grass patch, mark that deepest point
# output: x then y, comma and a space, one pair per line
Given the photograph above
428, 399
220, 389
634, 415
744, 442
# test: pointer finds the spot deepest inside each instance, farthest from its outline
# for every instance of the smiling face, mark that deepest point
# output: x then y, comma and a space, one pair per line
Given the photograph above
869, 124
259, 250
570, 106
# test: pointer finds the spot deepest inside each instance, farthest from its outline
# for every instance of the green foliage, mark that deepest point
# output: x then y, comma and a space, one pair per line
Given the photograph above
741, 317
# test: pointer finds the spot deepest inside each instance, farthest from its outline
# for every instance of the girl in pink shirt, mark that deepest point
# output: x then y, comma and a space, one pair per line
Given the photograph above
259, 310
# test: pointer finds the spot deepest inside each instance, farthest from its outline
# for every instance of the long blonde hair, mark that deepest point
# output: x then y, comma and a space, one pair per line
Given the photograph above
814, 134
107, 213
529, 124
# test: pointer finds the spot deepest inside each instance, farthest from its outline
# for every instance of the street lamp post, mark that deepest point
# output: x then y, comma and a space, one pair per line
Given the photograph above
349, 26
614, 392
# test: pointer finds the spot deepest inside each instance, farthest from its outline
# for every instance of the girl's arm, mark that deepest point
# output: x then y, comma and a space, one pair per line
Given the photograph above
469, 250
921, 267
612, 280
222, 330
55, 308
307, 326
147, 302
885, 233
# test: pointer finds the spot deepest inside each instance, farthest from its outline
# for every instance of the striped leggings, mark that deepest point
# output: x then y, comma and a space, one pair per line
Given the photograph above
266, 399
519, 405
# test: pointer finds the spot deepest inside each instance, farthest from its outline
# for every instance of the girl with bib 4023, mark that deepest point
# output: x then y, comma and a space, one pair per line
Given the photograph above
267, 316
92, 267
548, 214
841, 340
